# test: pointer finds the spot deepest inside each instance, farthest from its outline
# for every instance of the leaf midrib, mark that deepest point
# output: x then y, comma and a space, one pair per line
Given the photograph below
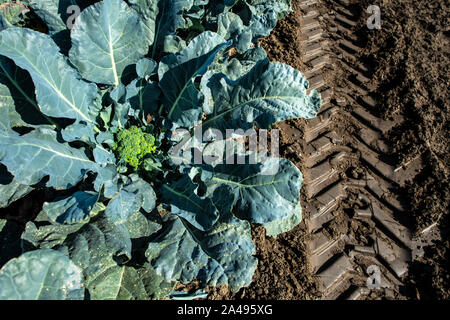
111, 54
58, 92
240, 185
53, 151
183, 196
247, 102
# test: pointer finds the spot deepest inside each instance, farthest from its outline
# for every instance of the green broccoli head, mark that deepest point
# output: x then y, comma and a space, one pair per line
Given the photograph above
133, 145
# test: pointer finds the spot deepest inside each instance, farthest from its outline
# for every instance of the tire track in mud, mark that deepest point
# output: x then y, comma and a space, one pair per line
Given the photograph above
355, 218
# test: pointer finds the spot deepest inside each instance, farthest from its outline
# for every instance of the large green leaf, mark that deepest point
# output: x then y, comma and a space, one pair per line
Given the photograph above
42, 155
10, 189
17, 95
233, 68
184, 202
141, 226
136, 194
3, 22
44, 235
73, 209
143, 97
79, 131
139, 186
155, 285
11, 192
107, 38
146, 67
261, 15
269, 93
230, 26
109, 179
100, 250
169, 20
95, 249
263, 192
57, 84
118, 283
148, 12
123, 205
177, 73
41, 275
52, 12
223, 255
276, 227
59, 16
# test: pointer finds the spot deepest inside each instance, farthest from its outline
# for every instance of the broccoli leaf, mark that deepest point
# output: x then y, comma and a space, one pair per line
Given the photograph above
79, 131
17, 95
276, 227
169, 19
261, 16
3, 22
10, 189
185, 203
52, 12
134, 195
97, 123
280, 7
263, 192
233, 69
146, 68
109, 179
43, 235
141, 226
73, 209
143, 97
178, 71
140, 186
230, 26
42, 155
57, 84
269, 93
223, 255
12, 13
41, 275
148, 12
123, 205
96, 249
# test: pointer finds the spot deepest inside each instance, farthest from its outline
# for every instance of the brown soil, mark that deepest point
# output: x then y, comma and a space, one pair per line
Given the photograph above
411, 61
413, 55
282, 272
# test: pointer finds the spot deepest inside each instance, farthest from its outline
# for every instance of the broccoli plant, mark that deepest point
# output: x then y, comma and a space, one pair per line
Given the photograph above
105, 112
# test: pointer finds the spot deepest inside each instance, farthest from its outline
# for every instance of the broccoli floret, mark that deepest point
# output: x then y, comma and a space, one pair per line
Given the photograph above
133, 145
